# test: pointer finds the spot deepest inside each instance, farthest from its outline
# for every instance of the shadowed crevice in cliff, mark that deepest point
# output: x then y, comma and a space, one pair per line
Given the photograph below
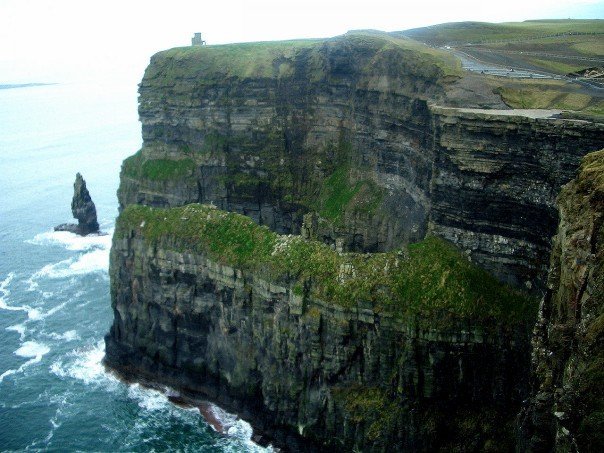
566, 410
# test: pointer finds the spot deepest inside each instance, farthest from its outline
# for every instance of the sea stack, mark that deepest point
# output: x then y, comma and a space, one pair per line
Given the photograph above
83, 209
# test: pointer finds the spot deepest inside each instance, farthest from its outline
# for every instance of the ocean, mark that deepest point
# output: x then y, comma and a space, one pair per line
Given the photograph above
55, 395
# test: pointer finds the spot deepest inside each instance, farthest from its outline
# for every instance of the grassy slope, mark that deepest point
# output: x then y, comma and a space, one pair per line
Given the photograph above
547, 94
528, 36
434, 281
157, 169
275, 59
474, 32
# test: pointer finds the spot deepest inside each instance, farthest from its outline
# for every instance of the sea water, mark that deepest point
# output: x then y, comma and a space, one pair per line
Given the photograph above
55, 394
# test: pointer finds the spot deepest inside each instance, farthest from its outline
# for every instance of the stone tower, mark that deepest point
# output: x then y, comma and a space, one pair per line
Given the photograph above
196, 40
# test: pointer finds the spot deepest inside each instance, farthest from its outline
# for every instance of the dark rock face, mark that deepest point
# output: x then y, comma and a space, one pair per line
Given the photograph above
348, 134
565, 412
83, 209
312, 376
495, 182
339, 142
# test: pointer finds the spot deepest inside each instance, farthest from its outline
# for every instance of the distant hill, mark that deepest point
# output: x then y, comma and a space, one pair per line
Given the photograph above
457, 33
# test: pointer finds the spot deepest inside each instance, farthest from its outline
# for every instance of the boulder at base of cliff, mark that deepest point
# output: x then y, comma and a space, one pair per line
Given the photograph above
83, 210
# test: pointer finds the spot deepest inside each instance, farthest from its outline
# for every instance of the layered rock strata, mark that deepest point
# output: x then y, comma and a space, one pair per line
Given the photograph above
415, 351
347, 129
343, 141
566, 410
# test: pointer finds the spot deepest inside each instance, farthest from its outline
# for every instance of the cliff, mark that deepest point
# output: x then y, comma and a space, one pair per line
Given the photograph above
414, 350
567, 406
348, 130
304, 235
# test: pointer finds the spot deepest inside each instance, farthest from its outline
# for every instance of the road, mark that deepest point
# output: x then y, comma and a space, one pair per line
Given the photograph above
471, 63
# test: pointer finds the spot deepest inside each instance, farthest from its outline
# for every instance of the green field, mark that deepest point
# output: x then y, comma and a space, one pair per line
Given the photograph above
480, 32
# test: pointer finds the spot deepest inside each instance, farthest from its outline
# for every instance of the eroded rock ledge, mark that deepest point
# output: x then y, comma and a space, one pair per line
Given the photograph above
350, 129
415, 350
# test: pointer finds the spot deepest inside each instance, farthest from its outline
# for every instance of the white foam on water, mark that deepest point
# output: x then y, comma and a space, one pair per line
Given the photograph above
237, 428
72, 241
32, 313
95, 258
20, 329
30, 349
4, 285
234, 426
70, 335
86, 365
155, 400
94, 261
5, 293
149, 399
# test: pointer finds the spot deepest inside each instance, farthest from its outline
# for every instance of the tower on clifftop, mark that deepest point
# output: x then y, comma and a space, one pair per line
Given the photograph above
197, 41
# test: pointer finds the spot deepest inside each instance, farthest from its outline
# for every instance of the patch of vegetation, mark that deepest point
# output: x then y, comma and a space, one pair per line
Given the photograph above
339, 194
136, 166
590, 180
214, 143
556, 66
336, 193
277, 60
131, 165
436, 283
167, 169
591, 389
246, 60
549, 95
371, 407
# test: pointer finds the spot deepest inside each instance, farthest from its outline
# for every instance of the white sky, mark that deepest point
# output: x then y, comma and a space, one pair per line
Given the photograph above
59, 40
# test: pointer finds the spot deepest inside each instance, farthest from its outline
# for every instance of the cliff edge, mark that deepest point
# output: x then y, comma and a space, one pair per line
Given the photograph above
312, 238
350, 130
566, 411
413, 349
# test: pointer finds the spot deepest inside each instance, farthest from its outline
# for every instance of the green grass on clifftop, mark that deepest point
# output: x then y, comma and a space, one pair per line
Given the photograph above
157, 169
432, 280
312, 59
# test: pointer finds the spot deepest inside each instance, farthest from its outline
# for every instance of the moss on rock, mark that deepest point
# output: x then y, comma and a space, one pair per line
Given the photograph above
434, 283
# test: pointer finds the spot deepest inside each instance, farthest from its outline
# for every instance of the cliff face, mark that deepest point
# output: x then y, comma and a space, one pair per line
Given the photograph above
496, 176
340, 350
258, 129
343, 129
567, 406
411, 348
